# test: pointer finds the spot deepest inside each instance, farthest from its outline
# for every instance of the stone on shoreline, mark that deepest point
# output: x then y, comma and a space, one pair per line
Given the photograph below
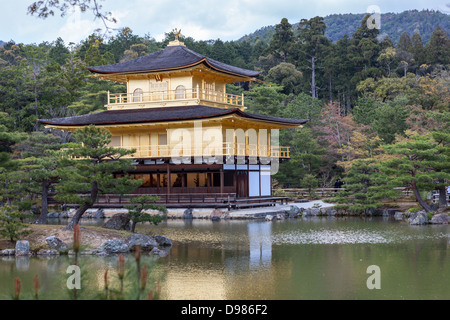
57, 244
399, 215
119, 221
418, 218
331, 211
100, 214
64, 215
159, 252
147, 243
312, 212
163, 241
217, 215
53, 215
187, 214
293, 212
48, 252
113, 246
441, 218
7, 252
22, 248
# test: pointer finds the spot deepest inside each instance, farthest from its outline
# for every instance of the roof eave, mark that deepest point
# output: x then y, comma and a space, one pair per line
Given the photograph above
236, 111
204, 60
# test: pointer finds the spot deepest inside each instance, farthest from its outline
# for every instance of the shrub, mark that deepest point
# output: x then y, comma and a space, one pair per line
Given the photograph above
11, 223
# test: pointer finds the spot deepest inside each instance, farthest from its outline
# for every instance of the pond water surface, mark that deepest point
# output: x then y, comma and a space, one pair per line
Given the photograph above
308, 258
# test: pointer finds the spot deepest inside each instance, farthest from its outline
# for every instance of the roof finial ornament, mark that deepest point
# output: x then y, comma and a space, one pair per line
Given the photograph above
177, 41
177, 34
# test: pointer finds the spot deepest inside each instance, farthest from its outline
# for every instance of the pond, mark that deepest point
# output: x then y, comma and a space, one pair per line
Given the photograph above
297, 259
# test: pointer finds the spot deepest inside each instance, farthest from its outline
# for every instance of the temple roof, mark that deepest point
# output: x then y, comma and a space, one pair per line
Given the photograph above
154, 115
171, 58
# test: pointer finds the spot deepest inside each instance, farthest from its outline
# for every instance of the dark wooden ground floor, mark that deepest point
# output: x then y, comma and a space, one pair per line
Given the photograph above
242, 180
201, 186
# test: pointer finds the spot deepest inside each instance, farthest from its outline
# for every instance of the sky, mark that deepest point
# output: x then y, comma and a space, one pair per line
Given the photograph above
201, 19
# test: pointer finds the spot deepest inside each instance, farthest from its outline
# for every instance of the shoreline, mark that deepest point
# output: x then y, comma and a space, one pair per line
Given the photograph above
205, 213
94, 236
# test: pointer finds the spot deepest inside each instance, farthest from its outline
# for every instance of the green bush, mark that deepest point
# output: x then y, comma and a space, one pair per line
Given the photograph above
11, 223
413, 210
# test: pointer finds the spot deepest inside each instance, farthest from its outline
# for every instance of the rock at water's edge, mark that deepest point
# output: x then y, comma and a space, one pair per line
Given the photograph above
147, 243
57, 244
113, 246
188, 214
418, 218
163, 241
118, 221
22, 248
441, 218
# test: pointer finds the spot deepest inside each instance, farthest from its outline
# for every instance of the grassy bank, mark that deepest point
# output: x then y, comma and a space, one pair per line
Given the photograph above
91, 236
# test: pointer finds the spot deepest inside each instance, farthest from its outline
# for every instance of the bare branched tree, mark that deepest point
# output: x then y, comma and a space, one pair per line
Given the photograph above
45, 8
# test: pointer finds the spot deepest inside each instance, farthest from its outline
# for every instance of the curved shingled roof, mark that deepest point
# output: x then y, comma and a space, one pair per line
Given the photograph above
184, 113
171, 58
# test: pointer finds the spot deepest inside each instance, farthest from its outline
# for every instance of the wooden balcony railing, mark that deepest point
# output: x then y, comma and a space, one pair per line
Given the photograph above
227, 149
172, 95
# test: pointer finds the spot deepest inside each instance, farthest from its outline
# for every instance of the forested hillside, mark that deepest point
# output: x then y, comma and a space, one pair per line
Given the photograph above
366, 99
392, 25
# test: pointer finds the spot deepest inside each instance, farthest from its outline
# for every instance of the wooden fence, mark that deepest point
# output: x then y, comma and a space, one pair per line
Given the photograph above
299, 193
323, 193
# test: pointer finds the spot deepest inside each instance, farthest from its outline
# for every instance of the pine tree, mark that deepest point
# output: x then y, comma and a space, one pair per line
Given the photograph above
421, 163
40, 165
418, 50
365, 187
283, 40
404, 43
438, 48
137, 214
91, 170
364, 48
58, 52
7, 142
312, 48
11, 225
286, 75
93, 56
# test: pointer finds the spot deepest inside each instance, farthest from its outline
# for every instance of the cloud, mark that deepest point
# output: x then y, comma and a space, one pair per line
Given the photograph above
76, 28
230, 20
201, 19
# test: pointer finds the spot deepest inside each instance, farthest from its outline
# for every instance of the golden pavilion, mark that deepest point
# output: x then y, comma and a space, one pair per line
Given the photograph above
191, 137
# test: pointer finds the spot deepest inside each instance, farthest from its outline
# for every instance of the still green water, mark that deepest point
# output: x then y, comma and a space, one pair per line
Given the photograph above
310, 258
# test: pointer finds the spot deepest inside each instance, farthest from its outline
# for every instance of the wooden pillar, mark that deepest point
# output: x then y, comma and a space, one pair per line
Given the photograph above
235, 182
158, 182
183, 181
208, 181
259, 178
169, 182
222, 182
247, 181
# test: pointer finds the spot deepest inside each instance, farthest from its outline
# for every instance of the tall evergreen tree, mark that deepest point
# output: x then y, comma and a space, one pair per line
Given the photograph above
91, 170
405, 43
283, 40
93, 56
364, 49
421, 163
40, 165
36, 60
418, 50
438, 48
365, 187
59, 52
312, 48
